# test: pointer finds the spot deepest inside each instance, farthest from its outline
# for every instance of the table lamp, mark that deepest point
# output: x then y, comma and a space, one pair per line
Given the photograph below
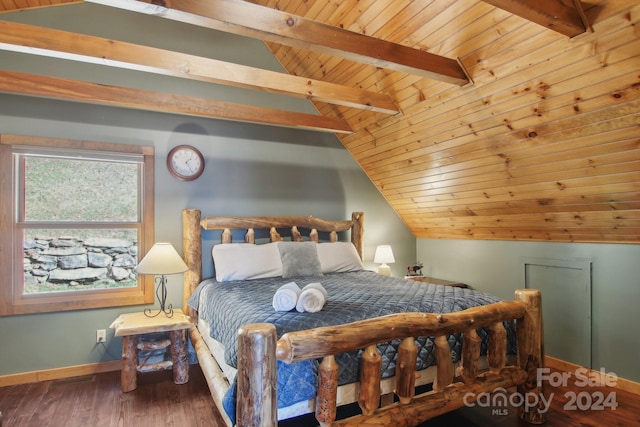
384, 256
162, 259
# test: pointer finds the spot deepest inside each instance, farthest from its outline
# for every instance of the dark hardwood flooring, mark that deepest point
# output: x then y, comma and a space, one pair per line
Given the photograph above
96, 401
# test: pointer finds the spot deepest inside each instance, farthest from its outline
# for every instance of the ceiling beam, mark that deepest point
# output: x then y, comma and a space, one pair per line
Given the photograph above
12, 6
557, 15
263, 23
65, 45
94, 93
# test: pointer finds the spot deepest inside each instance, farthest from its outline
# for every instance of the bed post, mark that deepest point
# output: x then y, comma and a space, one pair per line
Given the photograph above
192, 254
257, 402
357, 230
531, 355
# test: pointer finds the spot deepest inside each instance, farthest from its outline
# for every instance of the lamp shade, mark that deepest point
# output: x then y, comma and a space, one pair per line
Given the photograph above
384, 255
162, 258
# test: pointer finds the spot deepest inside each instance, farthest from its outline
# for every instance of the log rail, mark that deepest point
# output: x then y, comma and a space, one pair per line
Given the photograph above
259, 349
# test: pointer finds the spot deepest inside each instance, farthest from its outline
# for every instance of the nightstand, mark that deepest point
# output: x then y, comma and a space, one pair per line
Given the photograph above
165, 332
436, 281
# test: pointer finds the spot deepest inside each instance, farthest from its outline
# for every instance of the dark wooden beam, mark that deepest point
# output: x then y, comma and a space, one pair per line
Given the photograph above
263, 23
563, 16
94, 93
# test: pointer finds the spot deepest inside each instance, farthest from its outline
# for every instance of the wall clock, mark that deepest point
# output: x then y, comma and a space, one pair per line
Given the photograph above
185, 162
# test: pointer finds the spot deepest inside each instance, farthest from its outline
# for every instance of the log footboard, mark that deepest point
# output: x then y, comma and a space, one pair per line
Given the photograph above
259, 349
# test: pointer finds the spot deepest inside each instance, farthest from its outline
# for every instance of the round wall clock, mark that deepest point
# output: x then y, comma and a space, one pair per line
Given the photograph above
185, 162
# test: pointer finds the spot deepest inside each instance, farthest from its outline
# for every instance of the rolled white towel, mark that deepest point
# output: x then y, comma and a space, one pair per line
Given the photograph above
286, 297
312, 298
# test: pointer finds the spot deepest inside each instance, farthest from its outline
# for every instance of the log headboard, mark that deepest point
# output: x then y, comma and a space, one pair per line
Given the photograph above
193, 224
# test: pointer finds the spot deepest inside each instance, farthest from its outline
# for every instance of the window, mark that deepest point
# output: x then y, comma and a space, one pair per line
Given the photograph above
75, 216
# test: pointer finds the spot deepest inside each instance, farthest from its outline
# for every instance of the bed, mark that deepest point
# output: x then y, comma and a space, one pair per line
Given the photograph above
459, 342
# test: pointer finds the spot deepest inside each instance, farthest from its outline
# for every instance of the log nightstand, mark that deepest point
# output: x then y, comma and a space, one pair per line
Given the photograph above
436, 281
133, 326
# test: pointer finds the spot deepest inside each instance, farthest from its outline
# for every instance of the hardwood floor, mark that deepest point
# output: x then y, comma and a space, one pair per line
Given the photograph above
96, 401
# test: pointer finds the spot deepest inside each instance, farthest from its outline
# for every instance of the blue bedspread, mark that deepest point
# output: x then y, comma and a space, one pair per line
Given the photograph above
353, 296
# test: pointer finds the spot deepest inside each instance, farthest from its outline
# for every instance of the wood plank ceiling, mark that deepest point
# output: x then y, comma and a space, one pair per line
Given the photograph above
541, 145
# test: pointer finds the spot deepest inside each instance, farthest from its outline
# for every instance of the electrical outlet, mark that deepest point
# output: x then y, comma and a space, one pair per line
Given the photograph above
101, 335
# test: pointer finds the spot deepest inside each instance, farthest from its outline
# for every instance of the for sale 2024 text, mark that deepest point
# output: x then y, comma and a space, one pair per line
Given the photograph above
583, 397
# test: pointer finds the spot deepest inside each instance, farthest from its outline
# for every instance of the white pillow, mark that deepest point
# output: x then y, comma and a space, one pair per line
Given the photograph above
339, 257
246, 261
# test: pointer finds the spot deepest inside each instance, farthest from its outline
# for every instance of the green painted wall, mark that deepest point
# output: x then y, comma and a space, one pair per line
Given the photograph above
250, 169
495, 267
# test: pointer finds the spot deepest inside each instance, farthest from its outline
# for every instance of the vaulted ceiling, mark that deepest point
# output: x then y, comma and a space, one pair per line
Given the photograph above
497, 119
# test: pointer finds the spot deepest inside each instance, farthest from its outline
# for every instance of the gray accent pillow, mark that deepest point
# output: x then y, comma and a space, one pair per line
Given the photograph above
299, 259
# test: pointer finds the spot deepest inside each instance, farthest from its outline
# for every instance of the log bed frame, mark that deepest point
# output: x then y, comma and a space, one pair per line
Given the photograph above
259, 348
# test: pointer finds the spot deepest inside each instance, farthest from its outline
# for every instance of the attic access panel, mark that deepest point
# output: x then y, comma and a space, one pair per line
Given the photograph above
566, 306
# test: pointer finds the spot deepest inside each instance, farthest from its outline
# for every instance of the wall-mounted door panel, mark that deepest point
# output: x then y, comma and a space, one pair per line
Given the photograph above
566, 306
